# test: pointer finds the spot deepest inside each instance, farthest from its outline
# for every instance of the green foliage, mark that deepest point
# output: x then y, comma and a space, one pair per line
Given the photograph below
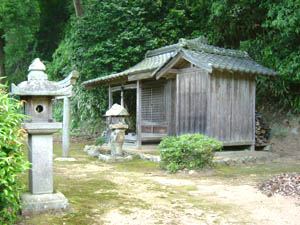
53, 21
19, 21
100, 141
11, 157
187, 151
58, 110
278, 46
112, 36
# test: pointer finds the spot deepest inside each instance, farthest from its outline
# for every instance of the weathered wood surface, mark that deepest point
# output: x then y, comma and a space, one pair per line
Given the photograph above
153, 107
138, 114
220, 105
171, 106
192, 102
125, 87
110, 97
139, 76
122, 97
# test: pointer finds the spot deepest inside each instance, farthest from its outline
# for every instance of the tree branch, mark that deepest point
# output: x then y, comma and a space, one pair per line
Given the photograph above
78, 8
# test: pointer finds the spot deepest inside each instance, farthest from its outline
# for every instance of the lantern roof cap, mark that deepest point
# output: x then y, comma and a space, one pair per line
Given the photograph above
117, 110
38, 83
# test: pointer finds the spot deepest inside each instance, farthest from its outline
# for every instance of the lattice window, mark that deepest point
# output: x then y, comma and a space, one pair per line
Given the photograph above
153, 104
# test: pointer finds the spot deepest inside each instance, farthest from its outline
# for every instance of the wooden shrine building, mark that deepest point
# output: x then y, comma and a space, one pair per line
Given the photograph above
191, 87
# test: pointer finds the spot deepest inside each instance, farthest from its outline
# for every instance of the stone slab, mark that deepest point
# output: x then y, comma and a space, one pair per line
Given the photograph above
112, 159
36, 204
63, 159
41, 158
42, 128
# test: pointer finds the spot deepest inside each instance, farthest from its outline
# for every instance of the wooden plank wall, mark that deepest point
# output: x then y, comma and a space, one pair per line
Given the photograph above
171, 106
192, 90
220, 105
232, 107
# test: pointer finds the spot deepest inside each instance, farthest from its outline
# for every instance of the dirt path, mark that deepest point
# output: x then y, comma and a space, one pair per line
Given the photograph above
198, 201
183, 199
138, 193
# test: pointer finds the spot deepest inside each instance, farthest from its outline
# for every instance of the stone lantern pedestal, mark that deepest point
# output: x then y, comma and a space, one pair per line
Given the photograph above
117, 138
117, 127
38, 93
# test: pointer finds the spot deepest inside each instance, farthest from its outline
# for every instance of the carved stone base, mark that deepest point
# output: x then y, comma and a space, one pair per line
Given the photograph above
37, 204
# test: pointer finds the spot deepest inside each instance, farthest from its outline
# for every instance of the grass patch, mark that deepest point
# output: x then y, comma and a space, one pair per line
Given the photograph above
137, 165
257, 171
92, 190
90, 193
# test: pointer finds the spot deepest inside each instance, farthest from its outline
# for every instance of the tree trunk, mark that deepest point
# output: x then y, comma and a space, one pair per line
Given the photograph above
78, 8
2, 57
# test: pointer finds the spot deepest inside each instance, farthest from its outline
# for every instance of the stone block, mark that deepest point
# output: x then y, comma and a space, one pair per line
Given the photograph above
41, 158
112, 159
36, 204
63, 159
93, 152
106, 158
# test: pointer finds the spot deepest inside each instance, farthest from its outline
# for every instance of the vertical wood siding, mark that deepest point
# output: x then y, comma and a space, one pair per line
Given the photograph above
232, 107
220, 105
171, 106
192, 102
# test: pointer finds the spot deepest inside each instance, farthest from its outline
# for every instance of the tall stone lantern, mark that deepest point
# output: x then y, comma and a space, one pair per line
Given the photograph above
38, 93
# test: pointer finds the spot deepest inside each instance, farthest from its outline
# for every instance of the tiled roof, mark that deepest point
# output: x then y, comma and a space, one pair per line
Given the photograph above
211, 56
147, 65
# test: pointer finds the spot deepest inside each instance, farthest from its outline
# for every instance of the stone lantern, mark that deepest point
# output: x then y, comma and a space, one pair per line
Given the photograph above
38, 93
117, 126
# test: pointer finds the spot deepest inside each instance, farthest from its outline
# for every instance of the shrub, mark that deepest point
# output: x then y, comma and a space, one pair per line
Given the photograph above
187, 151
11, 157
100, 141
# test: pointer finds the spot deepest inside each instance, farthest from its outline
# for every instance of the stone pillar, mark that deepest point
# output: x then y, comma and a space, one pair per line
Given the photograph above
40, 156
66, 127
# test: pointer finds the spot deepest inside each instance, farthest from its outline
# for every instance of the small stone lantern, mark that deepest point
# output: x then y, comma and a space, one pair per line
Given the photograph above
38, 93
118, 126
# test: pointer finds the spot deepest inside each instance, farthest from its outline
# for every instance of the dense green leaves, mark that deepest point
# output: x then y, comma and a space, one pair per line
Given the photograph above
114, 35
19, 21
187, 151
11, 157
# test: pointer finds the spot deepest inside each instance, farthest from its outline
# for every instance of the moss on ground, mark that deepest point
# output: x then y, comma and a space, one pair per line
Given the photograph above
92, 190
257, 172
137, 165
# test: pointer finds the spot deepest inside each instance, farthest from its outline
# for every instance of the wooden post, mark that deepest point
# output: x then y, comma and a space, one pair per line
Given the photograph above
122, 96
66, 127
110, 99
138, 115
252, 148
177, 104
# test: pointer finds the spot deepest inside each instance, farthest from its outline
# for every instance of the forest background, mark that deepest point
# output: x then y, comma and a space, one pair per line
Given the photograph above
100, 37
